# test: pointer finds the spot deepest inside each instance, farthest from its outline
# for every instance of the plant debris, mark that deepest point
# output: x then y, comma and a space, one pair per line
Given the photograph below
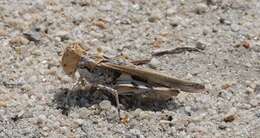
177, 50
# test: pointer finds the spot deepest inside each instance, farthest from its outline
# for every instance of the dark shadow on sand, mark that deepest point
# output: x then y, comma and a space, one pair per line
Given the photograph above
65, 99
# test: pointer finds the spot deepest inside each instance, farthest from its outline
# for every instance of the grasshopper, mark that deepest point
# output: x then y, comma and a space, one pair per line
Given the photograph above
120, 77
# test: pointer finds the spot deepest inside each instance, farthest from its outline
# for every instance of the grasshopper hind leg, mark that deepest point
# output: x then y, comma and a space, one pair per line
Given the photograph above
114, 93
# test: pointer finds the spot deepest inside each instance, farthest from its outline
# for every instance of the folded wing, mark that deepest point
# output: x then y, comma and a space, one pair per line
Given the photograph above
156, 77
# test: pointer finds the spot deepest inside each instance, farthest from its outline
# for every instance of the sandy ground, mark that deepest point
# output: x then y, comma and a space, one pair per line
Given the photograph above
34, 33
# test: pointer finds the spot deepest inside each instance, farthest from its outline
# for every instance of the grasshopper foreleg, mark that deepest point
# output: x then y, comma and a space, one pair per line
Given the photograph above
78, 84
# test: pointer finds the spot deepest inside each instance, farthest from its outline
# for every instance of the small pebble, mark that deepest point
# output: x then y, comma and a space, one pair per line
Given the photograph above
136, 6
235, 27
258, 97
52, 71
96, 34
42, 118
84, 113
254, 102
64, 130
181, 123
136, 133
101, 24
171, 11
33, 36
26, 87
144, 115
252, 85
36, 53
77, 20
256, 48
176, 21
250, 90
20, 114
199, 117
65, 78
45, 128
3, 104
199, 129
154, 63
244, 106
19, 40
55, 124
74, 115
105, 105
157, 42
137, 112
206, 31
106, 7
45, 133
188, 76
226, 86
230, 116
212, 2
200, 45
3, 32
222, 126
257, 114
201, 8
3, 90
257, 89
79, 121
214, 30
84, 3
62, 35
33, 79
17, 23
246, 44
187, 110
155, 16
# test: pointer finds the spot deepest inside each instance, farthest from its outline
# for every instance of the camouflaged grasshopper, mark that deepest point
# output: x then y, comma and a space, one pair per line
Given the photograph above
120, 77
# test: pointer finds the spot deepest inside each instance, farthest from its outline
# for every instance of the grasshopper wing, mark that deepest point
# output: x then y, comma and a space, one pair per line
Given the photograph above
155, 77
153, 93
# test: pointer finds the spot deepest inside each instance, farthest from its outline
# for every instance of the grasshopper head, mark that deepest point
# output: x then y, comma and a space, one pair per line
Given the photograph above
71, 58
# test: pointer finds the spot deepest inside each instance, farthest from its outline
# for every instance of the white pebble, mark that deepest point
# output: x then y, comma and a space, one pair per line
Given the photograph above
105, 105
64, 130
145, 115
154, 63
79, 121
234, 27
171, 11
45, 128
42, 118
33, 79
254, 102
137, 112
201, 8
136, 132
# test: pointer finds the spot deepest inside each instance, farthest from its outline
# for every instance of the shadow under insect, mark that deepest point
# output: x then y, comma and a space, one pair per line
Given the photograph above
65, 99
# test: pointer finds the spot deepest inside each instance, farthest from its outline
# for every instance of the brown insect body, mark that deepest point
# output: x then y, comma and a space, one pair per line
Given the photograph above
121, 77
127, 81
154, 77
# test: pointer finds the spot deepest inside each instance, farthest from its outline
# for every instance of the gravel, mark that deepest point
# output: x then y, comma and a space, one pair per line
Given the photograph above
33, 87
